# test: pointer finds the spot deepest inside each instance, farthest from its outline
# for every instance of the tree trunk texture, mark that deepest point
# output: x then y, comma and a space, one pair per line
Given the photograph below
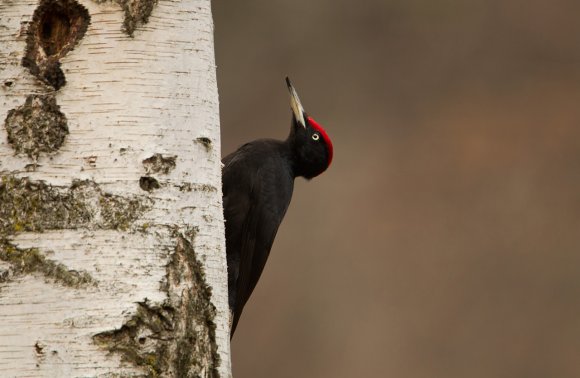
112, 253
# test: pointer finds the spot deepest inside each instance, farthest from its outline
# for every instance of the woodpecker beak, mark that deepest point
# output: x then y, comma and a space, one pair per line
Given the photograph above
295, 104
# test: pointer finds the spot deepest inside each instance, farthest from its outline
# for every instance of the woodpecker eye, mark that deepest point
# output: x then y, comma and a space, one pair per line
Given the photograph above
315, 136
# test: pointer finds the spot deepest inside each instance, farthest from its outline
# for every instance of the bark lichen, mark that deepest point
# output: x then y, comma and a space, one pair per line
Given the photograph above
137, 13
29, 260
29, 205
36, 127
35, 206
189, 187
175, 338
159, 164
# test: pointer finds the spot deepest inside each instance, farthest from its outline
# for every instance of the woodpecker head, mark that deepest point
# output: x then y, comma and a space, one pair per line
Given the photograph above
311, 144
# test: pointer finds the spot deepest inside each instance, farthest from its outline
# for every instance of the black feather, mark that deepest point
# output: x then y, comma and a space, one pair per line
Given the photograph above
257, 185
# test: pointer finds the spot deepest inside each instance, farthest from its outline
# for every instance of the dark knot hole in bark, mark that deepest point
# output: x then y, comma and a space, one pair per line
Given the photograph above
148, 183
56, 27
54, 31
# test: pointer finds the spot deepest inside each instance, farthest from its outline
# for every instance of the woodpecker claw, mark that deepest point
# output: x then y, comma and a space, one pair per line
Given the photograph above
295, 104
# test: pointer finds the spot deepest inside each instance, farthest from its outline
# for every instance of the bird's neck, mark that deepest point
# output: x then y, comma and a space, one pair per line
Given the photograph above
286, 151
290, 150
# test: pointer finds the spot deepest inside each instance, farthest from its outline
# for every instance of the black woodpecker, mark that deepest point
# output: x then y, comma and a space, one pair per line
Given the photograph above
258, 180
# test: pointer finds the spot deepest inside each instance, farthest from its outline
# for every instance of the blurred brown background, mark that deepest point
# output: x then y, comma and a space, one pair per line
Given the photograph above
444, 241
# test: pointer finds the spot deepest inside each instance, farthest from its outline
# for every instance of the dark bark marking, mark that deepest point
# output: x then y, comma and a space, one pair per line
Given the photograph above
56, 27
38, 126
148, 183
159, 164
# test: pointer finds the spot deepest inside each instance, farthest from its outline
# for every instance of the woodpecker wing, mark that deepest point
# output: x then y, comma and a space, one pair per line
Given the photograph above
257, 191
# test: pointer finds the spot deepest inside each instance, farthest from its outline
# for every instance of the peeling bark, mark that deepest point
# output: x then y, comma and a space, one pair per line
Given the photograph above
112, 259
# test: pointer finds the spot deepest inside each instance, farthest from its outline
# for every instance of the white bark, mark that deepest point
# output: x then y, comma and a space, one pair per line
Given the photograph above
98, 266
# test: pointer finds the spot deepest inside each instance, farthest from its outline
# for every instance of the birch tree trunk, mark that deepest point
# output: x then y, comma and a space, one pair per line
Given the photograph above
112, 256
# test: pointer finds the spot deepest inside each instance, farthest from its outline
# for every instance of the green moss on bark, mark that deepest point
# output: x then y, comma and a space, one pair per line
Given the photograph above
29, 205
35, 206
159, 164
29, 260
137, 13
176, 338
38, 126
189, 187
